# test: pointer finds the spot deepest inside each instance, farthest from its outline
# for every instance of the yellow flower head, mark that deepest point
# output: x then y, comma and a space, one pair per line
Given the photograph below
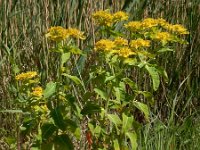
149, 23
120, 41
163, 36
37, 91
104, 45
27, 75
125, 52
162, 22
57, 34
75, 33
103, 18
139, 43
133, 26
177, 28
120, 16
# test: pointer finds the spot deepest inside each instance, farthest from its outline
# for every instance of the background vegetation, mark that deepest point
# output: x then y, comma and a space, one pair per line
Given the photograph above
23, 46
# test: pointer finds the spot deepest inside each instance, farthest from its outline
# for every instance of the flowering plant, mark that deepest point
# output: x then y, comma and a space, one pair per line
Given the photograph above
105, 107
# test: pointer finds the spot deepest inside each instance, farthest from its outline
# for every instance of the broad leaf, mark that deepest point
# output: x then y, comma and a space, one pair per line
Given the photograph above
154, 76
115, 120
63, 142
58, 118
126, 123
90, 108
132, 84
71, 125
73, 78
116, 145
47, 130
65, 57
49, 90
109, 78
133, 139
142, 107
102, 94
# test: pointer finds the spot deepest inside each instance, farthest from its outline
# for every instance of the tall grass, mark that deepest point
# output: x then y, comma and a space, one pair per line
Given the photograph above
23, 47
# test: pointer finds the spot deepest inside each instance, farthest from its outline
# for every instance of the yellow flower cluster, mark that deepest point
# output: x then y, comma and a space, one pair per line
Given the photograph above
120, 16
121, 46
120, 41
125, 52
105, 18
145, 24
149, 23
37, 91
104, 45
133, 26
59, 33
26, 75
177, 28
139, 43
75, 33
163, 36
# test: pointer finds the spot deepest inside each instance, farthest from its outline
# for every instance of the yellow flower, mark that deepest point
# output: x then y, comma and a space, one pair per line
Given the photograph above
75, 33
37, 91
133, 26
149, 23
120, 41
125, 52
120, 16
57, 34
103, 18
162, 21
163, 36
139, 43
177, 28
104, 45
27, 75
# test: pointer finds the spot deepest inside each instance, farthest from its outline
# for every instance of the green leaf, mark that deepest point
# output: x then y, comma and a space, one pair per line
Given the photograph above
147, 95
116, 120
49, 90
90, 108
91, 127
163, 72
47, 130
97, 131
58, 118
71, 125
126, 123
133, 139
63, 142
132, 84
47, 146
130, 61
142, 107
166, 49
65, 57
12, 111
154, 76
73, 78
109, 78
102, 94
116, 145
75, 50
